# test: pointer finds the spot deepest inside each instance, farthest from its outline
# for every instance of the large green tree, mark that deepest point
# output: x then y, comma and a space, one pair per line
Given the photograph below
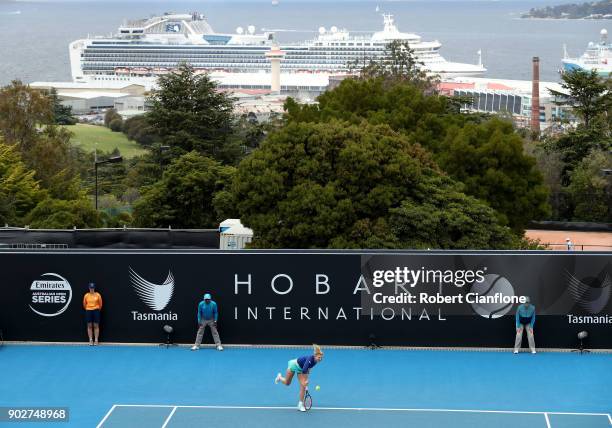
189, 113
62, 114
57, 164
591, 189
398, 64
23, 111
184, 197
485, 154
64, 214
586, 93
139, 129
337, 185
19, 191
489, 159
590, 98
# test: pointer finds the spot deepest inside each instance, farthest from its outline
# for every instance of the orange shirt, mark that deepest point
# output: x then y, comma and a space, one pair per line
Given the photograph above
92, 301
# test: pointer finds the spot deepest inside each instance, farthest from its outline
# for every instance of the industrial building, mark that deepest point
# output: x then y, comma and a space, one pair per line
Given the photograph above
511, 96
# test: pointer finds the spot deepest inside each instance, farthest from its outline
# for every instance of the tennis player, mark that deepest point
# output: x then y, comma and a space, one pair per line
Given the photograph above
301, 366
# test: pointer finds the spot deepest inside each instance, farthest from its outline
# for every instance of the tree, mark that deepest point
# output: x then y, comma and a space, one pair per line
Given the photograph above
250, 131
137, 128
23, 111
189, 113
489, 159
398, 64
551, 166
590, 98
19, 191
591, 191
184, 197
441, 216
64, 214
586, 93
402, 106
484, 153
116, 125
110, 115
337, 185
56, 163
62, 115
576, 145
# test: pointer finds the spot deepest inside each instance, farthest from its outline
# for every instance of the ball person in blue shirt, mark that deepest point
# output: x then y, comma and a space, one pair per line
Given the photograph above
525, 319
207, 316
302, 367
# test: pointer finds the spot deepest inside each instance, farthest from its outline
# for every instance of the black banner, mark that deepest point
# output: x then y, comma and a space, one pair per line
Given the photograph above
430, 299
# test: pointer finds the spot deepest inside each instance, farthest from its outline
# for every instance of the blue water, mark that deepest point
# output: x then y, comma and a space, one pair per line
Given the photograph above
35, 35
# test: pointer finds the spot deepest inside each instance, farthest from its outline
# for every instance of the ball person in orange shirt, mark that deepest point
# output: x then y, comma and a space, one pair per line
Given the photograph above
92, 303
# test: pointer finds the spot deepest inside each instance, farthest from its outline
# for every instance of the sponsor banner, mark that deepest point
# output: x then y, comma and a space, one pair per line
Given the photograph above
400, 298
51, 294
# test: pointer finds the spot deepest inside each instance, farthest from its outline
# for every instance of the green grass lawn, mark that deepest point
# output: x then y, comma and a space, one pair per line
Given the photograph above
88, 137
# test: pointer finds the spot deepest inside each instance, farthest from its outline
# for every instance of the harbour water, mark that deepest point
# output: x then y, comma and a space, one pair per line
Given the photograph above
35, 35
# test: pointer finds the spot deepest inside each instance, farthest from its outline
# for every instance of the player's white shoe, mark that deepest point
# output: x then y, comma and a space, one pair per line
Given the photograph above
195, 347
533, 352
301, 407
219, 348
278, 378
515, 352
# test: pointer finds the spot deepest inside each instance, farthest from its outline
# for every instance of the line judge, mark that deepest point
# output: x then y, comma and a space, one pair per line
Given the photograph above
207, 316
525, 320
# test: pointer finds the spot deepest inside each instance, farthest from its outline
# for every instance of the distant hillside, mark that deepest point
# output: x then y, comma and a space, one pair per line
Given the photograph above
594, 10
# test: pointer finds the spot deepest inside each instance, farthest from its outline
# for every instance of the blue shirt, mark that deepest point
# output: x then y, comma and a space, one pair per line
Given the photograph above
207, 311
306, 363
525, 311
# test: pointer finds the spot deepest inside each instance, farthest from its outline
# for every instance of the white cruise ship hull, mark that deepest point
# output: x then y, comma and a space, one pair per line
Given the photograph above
151, 48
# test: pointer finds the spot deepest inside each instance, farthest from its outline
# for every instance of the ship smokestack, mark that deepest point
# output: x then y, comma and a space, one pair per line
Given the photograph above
275, 56
535, 96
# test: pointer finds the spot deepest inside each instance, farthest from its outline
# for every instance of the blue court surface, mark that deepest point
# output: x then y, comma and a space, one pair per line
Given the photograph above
137, 386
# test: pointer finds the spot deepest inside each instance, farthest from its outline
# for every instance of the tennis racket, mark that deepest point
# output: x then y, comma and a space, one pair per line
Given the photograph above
307, 400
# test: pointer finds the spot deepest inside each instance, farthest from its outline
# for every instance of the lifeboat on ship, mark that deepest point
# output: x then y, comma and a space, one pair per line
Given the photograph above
140, 71
160, 70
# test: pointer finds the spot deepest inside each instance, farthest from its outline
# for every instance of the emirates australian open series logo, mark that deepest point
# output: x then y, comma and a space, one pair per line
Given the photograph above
156, 296
50, 295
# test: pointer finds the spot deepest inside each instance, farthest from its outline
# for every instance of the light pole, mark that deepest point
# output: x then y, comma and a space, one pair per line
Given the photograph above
607, 173
114, 159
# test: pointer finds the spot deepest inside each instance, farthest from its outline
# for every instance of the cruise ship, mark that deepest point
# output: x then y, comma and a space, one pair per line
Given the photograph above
151, 47
597, 57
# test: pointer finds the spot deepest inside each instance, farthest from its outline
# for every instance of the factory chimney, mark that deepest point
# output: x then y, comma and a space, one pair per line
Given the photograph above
535, 96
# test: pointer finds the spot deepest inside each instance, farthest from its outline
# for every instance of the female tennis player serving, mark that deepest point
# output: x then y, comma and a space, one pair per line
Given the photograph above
302, 367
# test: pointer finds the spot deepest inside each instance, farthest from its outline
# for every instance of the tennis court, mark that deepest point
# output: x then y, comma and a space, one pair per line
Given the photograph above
141, 386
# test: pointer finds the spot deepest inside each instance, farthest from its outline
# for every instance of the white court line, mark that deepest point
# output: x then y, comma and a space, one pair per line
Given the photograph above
372, 409
170, 417
610, 418
547, 420
106, 416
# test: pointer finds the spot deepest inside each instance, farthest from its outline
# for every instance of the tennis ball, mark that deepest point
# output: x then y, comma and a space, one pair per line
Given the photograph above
492, 284
317, 387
